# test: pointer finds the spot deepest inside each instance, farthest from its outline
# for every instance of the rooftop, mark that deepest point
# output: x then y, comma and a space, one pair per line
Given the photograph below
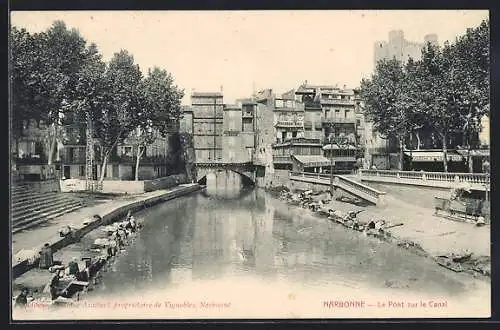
206, 94
312, 160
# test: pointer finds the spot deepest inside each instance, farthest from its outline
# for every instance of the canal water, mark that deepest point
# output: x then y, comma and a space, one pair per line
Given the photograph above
246, 254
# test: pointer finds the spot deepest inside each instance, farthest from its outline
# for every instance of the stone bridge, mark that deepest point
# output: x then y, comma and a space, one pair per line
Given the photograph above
246, 170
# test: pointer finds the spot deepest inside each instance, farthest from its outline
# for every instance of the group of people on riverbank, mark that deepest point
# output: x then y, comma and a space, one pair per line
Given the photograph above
76, 274
319, 203
117, 235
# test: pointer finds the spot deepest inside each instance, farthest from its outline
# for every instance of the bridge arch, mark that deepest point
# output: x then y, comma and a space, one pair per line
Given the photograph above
247, 173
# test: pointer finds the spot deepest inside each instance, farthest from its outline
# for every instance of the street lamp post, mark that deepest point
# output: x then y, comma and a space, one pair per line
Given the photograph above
331, 159
331, 165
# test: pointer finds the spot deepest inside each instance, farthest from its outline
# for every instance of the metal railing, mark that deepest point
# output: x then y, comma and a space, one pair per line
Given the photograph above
283, 123
338, 120
474, 178
337, 101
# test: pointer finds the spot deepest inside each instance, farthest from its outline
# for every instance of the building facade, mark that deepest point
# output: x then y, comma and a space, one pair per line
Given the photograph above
299, 154
330, 113
207, 125
31, 150
237, 143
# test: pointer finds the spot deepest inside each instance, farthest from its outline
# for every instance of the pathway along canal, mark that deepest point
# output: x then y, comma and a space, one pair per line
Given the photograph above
264, 258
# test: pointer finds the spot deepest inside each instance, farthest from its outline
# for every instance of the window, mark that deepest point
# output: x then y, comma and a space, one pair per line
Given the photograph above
358, 122
346, 114
127, 151
82, 170
294, 134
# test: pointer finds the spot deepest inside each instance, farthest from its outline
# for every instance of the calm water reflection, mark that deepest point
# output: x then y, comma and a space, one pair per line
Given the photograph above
208, 237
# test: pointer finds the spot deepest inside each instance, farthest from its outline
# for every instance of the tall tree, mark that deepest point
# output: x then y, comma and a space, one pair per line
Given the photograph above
438, 93
384, 102
26, 78
91, 95
44, 69
115, 121
470, 66
160, 110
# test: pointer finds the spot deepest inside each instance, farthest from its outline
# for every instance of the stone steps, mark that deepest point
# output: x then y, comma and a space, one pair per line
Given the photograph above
33, 198
17, 191
43, 218
45, 211
30, 207
45, 203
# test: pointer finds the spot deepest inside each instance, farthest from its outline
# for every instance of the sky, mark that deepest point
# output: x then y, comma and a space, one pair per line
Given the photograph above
239, 52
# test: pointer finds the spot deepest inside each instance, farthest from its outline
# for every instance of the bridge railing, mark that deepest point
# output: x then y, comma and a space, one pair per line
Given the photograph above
339, 180
360, 187
473, 178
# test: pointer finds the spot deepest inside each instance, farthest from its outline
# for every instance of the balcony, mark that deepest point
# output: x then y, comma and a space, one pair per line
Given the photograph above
33, 160
287, 109
132, 159
338, 120
291, 124
312, 105
338, 101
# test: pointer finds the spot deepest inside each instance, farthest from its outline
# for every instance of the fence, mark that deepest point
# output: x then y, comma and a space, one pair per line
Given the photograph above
475, 178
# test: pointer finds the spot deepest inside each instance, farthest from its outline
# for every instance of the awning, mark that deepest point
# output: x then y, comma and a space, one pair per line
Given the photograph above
433, 156
312, 160
475, 153
336, 147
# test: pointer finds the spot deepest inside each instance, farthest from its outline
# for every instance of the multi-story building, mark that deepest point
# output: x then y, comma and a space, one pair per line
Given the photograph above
69, 161
300, 154
237, 144
30, 153
399, 48
288, 118
331, 112
207, 124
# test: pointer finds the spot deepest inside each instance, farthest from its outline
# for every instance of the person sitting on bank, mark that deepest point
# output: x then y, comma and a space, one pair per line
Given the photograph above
131, 224
54, 287
73, 267
22, 298
46, 257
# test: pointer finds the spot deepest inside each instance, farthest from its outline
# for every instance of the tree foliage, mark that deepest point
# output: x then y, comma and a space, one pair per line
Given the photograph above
60, 79
44, 72
446, 91
160, 109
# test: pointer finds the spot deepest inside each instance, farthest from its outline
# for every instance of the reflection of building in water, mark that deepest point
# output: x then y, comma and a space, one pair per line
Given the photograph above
207, 252
264, 243
224, 183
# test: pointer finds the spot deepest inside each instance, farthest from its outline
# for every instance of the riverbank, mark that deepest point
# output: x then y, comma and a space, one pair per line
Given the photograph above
26, 244
407, 225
